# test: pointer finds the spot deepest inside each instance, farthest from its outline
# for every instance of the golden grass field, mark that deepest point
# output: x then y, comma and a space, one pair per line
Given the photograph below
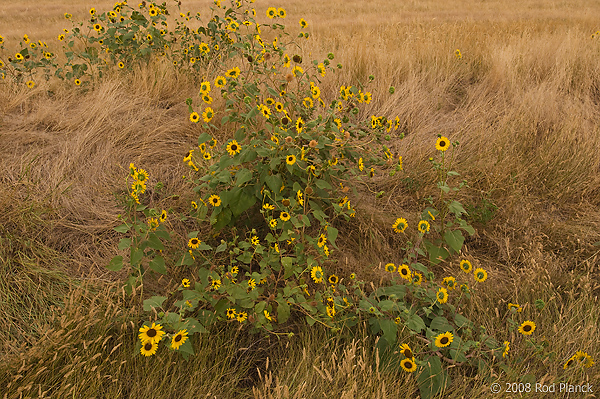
524, 103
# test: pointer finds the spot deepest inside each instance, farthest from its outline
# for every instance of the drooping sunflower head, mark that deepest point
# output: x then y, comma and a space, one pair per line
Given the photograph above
179, 339
406, 351
417, 278
423, 226
316, 273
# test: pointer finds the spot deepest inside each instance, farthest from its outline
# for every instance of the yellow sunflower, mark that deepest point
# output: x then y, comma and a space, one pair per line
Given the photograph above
527, 328
466, 266
152, 333
316, 273
214, 200
406, 351
408, 365
442, 144
480, 275
443, 340
149, 348
400, 225
405, 272
442, 295
194, 243
233, 147
179, 339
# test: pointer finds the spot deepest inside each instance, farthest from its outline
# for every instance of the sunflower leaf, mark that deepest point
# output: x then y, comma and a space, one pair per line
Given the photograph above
115, 264
155, 302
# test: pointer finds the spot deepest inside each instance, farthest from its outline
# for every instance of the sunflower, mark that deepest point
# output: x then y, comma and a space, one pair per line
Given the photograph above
423, 226
322, 240
207, 99
205, 87
179, 339
400, 225
267, 315
208, 114
242, 316
271, 12
216, 284
442, 144
308, 102
149, 37
406, 351
252, 284
316, 273
321, 69
149, 348
151, 334
450, 282
569, 362
515, 306
316, 92
185, 283
152, 224
61, 37
299, 125
303, 23
408, 365
92, 11
443, 340
442, 295
506, 348
97, 27
233, 148
527, 328
194, 205
214, 200
466, 266
333, 279
417, 278
153, 12
390, 267
121, 65
284, 216
404, 272
194, 243
290, 159
233, 72
231, 313
281, 12
206, 155
19, 56
163, 216
330, 311
30, 84
480, 275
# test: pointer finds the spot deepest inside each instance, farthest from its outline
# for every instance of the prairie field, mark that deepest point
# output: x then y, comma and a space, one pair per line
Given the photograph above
514, 84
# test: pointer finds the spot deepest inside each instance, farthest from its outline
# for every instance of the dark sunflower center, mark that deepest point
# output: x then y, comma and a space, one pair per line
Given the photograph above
234, 147
444, 340
408, 353
480, 275
178, 338
408, 364
151, 333
195, 241
527, 328
404, 271
148, 346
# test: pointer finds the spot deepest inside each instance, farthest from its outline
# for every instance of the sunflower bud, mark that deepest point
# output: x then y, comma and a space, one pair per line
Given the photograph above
285, 202
297, 59
289, 77
313, 143
392, 89
346, 135
250, 59
308, 190
289, 139
330, 56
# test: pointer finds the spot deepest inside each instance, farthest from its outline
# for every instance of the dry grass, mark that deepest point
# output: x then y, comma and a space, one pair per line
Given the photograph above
523, 103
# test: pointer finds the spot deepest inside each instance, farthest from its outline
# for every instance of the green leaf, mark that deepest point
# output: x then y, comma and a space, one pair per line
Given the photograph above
204, 137
158, 265
454, 239
462, 321
432, 379
441, 324
136, 256
436, 254
115, 264
154, 302
154, 242
283, 311
274, 182
124, 243
332, 234
456, 208
242, 176
415, 323
322, 184
287, 263
390, 329
122, 228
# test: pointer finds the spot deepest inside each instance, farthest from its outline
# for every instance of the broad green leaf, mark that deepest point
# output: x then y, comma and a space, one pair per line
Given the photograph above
456, 208
390, 329
432, 379
462, 321
283, 311
154, 302
115, 264
122, 228
158, 265
441, 324
415, 323
454, 239
154, 242
124, 243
